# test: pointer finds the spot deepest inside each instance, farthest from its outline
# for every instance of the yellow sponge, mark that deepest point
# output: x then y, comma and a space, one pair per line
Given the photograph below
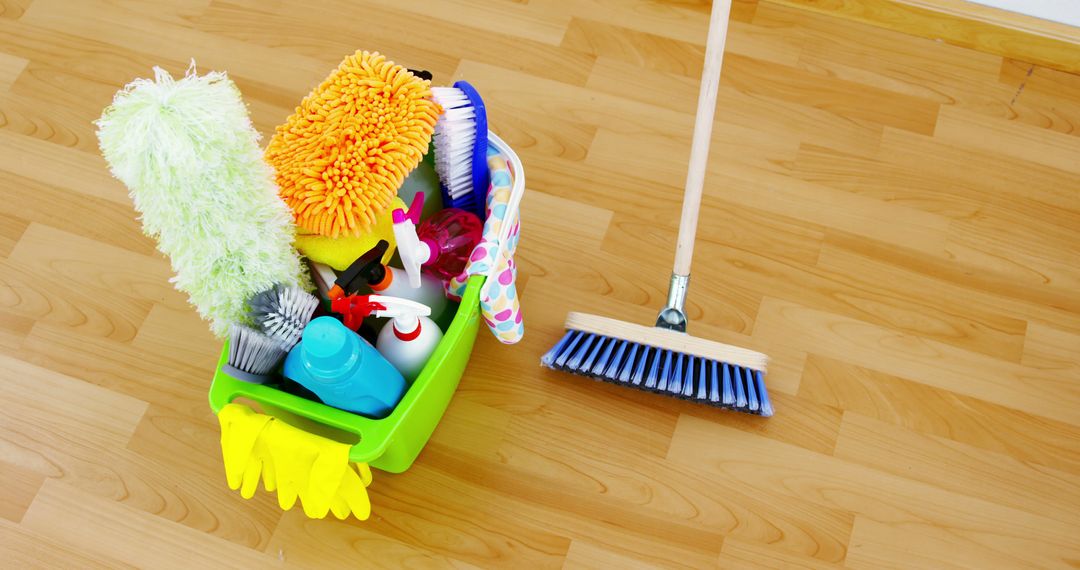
340, 252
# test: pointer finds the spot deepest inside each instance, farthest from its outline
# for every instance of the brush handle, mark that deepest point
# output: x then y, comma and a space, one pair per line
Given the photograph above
699, 150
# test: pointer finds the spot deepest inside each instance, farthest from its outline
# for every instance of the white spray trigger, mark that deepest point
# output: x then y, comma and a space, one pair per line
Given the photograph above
406, 313
412, 251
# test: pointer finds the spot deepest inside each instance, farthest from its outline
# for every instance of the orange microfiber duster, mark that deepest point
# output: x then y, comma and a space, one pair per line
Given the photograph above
341, 157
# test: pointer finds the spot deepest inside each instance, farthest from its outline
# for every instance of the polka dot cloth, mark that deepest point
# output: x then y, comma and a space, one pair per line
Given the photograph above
500, 306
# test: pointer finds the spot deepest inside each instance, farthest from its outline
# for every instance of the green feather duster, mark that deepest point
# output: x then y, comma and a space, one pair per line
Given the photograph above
191, 160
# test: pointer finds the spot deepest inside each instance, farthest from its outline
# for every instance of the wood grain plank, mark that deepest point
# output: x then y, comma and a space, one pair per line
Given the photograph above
305, 543
672, 503
967, 283
79, 411
13, 329
58, 124
882, 497
838, 286
678, 21
173, 468
1039, 79
539, 25
103, 221
747, 184
883, 545
179, 333
928, 361
65, 428
330, 29
48, 299
158, 378
874, 106
26, 549
10, 68
641, 49
958, 467
13, 9
502, 532
1047, 347
1025, 142
941, 413
20, 487
739, 554
583, 555
644, 535
11, 229
509, 91
126, 29
751, 110
957, 29
103, 527
97, 265
61, 167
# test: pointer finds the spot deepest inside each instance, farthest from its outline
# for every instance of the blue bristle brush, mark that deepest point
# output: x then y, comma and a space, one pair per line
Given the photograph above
460, 142
664, 359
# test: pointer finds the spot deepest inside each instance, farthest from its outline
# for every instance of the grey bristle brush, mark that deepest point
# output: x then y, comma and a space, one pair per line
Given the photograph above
253, 356
664, 359
283, 312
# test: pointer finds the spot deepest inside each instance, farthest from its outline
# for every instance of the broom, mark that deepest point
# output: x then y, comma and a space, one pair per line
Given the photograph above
664, 359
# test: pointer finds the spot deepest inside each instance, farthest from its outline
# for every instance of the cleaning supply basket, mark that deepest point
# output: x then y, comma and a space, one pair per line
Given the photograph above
391, 443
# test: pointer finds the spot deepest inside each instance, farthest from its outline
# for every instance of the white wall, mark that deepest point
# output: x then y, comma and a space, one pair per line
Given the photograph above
1064, 11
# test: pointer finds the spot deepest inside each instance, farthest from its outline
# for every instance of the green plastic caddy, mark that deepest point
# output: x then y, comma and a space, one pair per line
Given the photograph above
392, 443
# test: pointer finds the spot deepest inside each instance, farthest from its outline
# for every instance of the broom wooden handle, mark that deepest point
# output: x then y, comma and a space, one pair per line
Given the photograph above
699, 150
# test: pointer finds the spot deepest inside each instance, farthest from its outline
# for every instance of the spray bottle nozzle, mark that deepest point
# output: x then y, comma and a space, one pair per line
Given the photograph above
355, 308
415, 209
413, 251
367, 268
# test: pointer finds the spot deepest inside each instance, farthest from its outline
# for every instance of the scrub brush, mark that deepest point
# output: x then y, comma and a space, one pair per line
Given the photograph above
664, 359
461, 147
253, 356
282, 313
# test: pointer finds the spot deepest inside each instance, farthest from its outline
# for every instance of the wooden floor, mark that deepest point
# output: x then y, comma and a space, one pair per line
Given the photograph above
894, 220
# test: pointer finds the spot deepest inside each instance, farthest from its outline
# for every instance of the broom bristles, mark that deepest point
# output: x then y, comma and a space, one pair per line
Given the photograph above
667, 339
662, 361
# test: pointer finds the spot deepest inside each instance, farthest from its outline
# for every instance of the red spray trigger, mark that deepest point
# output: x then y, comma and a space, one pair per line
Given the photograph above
354, 309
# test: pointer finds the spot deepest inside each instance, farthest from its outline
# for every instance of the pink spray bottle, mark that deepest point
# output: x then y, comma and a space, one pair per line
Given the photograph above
440, 246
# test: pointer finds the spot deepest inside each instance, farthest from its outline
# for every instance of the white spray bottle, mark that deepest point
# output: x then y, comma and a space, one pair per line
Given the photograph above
369, 270
410, 337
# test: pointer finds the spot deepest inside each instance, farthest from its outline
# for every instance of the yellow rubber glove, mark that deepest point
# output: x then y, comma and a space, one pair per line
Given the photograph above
352, 500
241, 429
261, 463
353, 490
312, 468
365, 472
330, 466
293, 454
295, 463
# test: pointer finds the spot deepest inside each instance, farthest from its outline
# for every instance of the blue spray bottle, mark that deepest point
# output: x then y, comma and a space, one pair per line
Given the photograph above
343, 370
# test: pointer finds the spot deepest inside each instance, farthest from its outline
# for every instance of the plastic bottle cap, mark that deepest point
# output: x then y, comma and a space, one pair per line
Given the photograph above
406, 329
327, 344
384, 282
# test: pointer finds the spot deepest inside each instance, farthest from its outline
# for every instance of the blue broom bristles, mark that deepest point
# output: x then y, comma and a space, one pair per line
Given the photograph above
662, 371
